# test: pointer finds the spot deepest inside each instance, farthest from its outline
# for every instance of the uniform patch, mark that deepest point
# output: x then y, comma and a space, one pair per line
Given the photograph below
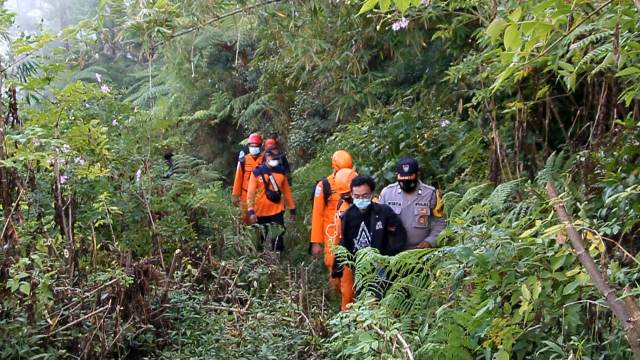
379, 225
241, 156
405, 167
422, 213
318, 191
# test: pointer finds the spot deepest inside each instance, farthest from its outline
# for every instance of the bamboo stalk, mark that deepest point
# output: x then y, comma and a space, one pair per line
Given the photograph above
618, 308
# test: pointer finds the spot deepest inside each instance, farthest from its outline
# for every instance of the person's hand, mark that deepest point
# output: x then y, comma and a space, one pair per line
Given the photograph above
424, 245
316, 250
236, 200
253, 218
337, 268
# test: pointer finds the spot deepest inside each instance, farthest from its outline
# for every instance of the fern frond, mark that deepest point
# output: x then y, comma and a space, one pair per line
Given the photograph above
591, 39
498, 199
555, 164
471, 197
597, 55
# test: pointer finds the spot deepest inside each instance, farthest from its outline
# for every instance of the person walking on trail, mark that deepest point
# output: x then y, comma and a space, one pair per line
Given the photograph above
333, 232
247, 162
418, 205
369, 224
284, 162
267, 196
325, 201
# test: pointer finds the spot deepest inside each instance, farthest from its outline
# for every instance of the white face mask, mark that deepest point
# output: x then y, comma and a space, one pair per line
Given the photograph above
254, 150
273, 163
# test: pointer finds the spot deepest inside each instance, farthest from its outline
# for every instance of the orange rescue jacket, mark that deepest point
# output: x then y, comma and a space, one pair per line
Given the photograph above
257, 200
246, 164
334, 231
323, 213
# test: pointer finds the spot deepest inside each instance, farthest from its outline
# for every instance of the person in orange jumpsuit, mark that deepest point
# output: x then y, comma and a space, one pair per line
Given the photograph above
325, 206
268, 194
284, 162
247, 162
344, 285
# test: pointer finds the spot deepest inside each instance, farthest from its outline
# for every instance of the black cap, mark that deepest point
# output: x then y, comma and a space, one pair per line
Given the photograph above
407, 167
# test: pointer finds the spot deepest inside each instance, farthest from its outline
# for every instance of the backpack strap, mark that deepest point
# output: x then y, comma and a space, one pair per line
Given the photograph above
272, 180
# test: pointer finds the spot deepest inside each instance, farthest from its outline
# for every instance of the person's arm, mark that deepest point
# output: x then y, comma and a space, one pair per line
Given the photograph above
288, 197
437, 220
396, 233
317, 215
345, 241
237, 180
251, 197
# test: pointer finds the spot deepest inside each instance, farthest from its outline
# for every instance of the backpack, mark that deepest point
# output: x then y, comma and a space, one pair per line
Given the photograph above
273, 195
326, 189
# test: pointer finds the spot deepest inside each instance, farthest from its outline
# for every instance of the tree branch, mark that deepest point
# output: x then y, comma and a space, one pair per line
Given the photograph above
618, 308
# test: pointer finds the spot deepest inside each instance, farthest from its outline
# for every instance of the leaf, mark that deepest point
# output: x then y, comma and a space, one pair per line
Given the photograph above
526, 295
566, 66
495, 29
512, 38
515, 15
628, 71
557, 262
403, 5
537, 289
501, 355
367, 6
25, 288
570, 287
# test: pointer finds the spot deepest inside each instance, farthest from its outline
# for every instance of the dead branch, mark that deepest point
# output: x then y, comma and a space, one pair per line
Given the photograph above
82, 318
589, 264
405, 347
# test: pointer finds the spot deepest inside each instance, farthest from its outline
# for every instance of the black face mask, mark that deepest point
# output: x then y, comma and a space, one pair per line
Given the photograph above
408, 186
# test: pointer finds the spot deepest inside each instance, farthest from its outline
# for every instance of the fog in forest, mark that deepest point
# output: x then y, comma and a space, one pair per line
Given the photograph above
50, 15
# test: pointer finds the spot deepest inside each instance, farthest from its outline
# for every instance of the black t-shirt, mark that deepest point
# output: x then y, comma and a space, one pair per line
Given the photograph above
379, 227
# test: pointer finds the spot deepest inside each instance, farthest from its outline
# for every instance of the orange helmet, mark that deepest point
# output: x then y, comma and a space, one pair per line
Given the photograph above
255, 138
343, 180
341, 160
270, 143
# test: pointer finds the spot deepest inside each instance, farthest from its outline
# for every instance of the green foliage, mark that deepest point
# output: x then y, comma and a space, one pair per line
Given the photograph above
508, 92
493, 292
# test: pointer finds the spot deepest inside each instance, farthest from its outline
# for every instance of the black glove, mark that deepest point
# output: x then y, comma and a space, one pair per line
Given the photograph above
337, 269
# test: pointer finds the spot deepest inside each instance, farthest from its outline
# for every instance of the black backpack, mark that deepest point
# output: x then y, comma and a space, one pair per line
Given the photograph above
326, 189
273, 195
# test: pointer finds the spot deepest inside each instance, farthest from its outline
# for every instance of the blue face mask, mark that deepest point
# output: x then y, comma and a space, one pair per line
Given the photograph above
254, 150
362, 203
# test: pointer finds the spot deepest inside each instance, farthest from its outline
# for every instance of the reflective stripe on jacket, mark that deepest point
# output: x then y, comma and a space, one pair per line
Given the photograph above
323, 213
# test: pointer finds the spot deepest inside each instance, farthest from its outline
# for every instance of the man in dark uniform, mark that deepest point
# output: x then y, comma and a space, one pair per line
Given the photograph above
418, 205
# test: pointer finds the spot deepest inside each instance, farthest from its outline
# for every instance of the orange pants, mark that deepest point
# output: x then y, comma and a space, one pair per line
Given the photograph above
344, 285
